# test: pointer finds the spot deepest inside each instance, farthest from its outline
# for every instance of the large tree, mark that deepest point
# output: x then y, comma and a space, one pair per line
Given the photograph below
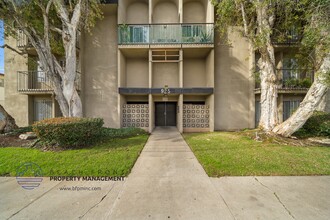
44, 22
315, 48
261, 22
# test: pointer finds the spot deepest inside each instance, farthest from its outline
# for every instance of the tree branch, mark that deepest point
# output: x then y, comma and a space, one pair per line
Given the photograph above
62, 11
244, 19
55, 29
76, 14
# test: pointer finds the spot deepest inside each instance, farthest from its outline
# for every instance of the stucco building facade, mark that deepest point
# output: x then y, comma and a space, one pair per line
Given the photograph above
154, 63
2, 89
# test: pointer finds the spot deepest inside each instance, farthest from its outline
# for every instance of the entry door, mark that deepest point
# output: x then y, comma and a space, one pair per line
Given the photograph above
165, 113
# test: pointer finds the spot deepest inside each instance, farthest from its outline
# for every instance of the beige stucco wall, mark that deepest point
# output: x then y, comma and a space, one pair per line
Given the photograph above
16, 104
194, 74
209, 69
233, 84
137, 13
121, 69
100, 71
137, 73
165, 74
165, 12
2, 96
2, 91
194, 12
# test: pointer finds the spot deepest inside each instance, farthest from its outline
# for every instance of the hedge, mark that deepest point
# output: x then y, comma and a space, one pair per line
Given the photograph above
313, 124
111, 133
325, 129
317, 125
69, 132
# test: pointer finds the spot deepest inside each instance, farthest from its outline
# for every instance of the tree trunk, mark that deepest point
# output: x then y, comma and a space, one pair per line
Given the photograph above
268, 96
310, 103
268, 85
69, 36
68, 82
8, 123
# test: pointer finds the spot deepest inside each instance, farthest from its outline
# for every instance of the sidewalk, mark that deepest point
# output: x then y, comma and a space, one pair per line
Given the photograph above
167, 182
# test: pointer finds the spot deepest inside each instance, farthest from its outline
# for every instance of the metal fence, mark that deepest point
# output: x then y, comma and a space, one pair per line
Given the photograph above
23, 41
38, 81
292, 79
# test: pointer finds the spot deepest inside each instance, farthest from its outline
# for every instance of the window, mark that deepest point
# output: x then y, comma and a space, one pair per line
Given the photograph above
191, 30
2, 83
289, 107
43, 109
139, 34
257, 113
290, 69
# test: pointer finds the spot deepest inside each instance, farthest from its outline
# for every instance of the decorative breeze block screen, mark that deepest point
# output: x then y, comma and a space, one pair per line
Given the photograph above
136, 115
196, 116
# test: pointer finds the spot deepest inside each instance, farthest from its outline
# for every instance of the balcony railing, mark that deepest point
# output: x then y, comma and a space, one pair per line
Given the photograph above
293, 79
165, 34
296, 78
38, 82
287, 40
23, 42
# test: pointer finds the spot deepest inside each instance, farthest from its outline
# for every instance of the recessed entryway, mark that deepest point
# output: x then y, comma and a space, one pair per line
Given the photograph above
165, 113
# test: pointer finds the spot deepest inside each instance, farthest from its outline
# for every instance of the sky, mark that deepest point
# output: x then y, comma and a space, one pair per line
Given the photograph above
2, 67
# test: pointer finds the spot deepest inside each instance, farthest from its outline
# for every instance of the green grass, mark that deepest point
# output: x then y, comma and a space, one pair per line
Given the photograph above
112, 158
233, 154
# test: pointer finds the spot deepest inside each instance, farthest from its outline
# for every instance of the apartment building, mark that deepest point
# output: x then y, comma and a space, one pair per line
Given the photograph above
157, 63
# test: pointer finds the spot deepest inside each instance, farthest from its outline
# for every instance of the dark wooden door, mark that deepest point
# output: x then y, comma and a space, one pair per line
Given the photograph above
165, 114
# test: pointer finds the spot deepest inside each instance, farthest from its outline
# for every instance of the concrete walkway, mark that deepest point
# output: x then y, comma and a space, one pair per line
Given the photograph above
167, 182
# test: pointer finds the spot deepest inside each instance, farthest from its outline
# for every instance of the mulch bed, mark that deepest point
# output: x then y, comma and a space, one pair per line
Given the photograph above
14, 141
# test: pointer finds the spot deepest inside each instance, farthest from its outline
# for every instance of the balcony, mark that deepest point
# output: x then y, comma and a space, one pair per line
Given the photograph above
23, 42
293, 81
37, 82
145, 34
296, 79
290, 37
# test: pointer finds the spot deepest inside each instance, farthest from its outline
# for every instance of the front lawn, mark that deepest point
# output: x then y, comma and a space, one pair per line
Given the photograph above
114, 157
233, 154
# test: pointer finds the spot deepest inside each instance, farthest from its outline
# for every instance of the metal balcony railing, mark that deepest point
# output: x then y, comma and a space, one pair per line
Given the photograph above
287, 40
38, 82
293, 79
297, 78
165, 34
23, 42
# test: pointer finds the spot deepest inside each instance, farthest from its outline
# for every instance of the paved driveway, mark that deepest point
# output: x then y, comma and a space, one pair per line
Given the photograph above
167, 182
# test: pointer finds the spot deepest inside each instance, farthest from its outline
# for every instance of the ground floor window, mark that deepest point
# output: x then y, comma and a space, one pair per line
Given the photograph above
43, 109
289, 107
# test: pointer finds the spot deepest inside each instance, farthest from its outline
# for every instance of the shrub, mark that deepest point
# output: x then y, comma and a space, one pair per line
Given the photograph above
305, 83
316, 125
69, 132
111, 133
325, 129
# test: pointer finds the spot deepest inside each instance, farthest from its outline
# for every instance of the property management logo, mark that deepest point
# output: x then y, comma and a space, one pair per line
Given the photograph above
29, 176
